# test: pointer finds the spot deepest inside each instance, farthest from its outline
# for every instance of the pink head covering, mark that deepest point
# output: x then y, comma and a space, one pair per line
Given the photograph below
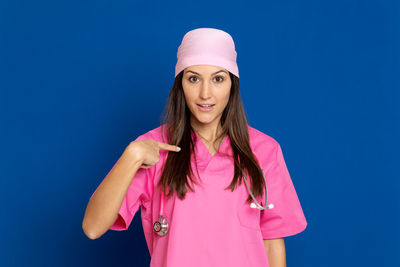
207, 46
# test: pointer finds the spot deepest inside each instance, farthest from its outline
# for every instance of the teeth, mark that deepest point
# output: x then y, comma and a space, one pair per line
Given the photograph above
206, 106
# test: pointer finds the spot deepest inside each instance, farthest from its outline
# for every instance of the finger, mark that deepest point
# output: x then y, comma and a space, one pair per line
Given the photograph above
168, 147
146, 166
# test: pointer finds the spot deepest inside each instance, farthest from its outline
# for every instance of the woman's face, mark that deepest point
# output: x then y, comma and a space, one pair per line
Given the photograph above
206, 84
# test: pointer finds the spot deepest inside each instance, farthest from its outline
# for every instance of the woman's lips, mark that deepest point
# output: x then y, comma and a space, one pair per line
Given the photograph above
206, 108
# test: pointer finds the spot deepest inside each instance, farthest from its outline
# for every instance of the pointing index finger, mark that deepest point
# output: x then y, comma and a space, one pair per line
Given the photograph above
169, 147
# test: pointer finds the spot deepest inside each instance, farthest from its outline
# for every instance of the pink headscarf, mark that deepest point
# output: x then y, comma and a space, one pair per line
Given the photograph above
207, 46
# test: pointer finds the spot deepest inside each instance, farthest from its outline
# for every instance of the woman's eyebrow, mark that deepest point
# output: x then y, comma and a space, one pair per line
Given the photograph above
211, 74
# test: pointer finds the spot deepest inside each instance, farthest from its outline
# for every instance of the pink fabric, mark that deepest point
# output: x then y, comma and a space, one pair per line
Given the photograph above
213, 226
207, 46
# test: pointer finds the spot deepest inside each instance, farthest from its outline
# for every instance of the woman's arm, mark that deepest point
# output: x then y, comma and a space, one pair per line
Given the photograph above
275, 249
102, 209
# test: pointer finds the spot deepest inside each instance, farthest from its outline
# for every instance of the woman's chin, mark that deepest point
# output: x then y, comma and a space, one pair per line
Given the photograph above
205, 119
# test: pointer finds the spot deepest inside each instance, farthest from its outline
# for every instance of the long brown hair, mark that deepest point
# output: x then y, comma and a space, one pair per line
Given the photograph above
176, 119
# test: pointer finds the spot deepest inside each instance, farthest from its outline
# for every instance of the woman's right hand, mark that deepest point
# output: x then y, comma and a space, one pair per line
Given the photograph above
147, 151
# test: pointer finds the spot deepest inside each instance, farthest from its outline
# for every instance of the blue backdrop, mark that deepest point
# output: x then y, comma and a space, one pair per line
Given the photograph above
81, 79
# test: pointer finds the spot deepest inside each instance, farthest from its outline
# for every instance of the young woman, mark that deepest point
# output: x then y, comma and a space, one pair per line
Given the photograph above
199, 177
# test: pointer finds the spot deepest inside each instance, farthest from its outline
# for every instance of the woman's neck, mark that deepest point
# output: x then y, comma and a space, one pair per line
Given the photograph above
209, 132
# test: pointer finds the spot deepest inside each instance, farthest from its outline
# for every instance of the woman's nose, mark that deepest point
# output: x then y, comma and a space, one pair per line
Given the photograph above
205, 91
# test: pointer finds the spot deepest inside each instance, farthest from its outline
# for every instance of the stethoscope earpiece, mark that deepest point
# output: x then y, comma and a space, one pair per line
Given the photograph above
254, 205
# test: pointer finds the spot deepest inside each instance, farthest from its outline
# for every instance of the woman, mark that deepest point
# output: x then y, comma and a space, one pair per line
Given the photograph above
187, 174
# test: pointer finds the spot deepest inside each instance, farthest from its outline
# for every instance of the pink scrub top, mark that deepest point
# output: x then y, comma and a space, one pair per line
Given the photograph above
213, 226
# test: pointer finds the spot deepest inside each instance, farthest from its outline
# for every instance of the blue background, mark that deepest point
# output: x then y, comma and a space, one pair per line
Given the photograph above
81, 79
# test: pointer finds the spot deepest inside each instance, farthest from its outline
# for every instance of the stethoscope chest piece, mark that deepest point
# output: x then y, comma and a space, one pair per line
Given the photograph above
161, 227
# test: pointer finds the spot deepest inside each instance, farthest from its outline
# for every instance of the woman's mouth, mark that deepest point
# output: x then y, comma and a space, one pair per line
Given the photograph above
206, 107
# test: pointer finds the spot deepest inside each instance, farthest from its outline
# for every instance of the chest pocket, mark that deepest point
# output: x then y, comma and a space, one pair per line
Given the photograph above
248, 217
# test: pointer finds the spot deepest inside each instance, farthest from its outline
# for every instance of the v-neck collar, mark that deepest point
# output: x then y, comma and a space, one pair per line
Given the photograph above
203, 155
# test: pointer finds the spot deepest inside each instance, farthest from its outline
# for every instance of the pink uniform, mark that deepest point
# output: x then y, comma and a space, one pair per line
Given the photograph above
214, 227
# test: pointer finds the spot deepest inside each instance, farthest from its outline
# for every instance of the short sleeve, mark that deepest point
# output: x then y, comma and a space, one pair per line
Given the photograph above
138, 194
286, 218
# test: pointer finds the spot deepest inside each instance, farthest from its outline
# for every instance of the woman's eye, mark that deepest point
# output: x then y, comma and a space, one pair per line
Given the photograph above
191, 78
221, 78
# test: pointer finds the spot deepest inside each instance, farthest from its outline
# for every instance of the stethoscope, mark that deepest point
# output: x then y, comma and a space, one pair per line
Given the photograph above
161, 226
